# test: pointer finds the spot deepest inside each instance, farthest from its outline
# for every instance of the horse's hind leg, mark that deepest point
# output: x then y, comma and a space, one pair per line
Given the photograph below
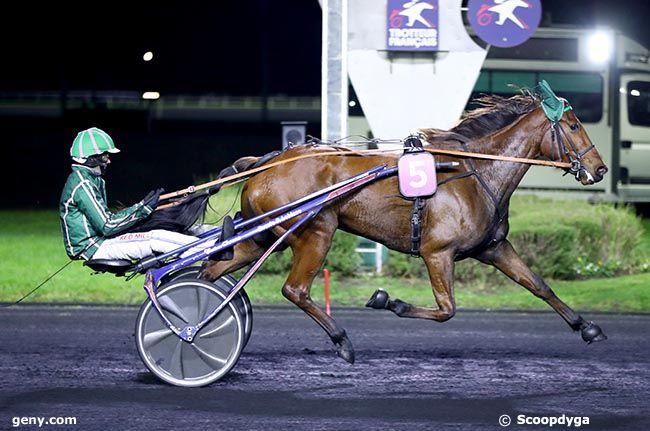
441, 274
504, 257
244, 253
309, 250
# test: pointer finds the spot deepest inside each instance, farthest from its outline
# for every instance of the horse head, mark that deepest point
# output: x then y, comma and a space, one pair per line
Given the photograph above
568, 141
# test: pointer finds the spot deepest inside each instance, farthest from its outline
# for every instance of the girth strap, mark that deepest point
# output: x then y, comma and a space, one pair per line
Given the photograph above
416, 225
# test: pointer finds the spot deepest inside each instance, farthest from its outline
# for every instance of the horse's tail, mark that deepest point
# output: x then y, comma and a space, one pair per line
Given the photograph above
246, 163
240, 165
187, 210
178, 217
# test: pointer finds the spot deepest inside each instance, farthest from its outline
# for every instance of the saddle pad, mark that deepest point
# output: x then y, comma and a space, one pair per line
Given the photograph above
417, 175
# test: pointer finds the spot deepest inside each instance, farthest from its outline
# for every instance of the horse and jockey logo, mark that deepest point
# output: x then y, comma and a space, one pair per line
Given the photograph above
413, 11
504, 23
412, 25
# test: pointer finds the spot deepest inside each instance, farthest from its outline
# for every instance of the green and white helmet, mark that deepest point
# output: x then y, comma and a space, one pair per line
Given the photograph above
90, 142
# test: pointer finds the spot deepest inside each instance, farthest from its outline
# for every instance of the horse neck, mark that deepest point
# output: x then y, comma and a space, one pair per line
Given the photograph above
522, 139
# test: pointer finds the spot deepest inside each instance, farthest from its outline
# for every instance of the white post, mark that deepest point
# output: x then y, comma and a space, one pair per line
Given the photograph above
334, 87
379, 258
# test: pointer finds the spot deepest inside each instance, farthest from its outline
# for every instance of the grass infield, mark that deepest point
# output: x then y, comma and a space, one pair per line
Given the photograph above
32, 249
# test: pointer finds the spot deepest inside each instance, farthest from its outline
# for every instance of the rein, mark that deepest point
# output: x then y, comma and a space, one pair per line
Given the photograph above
464, 154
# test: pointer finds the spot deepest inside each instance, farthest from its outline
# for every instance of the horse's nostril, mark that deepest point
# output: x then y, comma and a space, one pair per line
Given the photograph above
601, 171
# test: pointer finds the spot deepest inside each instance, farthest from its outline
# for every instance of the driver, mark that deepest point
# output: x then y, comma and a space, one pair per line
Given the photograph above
90, 229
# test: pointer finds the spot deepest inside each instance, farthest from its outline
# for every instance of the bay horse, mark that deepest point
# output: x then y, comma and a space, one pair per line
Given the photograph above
466, 218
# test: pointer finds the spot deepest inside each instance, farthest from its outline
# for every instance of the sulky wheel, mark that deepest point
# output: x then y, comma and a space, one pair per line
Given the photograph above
214, 350
225, 283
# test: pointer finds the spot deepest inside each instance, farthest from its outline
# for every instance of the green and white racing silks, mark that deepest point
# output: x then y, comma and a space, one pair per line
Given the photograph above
85, 217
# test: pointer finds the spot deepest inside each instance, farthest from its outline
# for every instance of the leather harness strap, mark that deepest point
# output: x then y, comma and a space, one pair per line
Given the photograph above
416, 225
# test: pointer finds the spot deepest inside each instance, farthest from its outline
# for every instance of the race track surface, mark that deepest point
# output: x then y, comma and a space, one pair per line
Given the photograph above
409, 374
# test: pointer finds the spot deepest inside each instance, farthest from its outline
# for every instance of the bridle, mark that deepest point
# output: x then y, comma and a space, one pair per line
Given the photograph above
559, 137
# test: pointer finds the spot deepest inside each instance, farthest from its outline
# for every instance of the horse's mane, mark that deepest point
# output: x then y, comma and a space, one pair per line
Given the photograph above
494, 113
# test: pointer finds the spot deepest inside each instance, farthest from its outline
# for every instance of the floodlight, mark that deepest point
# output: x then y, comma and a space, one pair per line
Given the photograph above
151, 95
600, 47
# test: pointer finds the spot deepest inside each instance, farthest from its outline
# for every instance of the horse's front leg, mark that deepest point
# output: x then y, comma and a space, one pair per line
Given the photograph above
504, 257
440, 266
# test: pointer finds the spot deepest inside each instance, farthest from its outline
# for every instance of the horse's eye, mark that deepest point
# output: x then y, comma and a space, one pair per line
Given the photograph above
574, 126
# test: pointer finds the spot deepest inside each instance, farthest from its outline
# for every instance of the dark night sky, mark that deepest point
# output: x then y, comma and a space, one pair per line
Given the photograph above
250, 48
199, 47
241, 47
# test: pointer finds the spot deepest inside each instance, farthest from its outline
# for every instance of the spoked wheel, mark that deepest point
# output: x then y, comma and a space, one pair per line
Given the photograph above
224, 284
213, 351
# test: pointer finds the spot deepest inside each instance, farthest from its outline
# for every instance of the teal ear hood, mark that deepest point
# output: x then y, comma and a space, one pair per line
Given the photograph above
552, 105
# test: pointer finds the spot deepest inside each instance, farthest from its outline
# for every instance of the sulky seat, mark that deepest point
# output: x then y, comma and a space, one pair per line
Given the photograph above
117, 266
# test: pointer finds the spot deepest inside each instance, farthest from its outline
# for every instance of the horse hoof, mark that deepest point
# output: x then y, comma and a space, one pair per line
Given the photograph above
347, 354
345, 350
592, 332
378, 300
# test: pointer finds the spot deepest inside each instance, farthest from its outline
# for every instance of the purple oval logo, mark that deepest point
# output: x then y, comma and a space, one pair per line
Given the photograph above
504, 23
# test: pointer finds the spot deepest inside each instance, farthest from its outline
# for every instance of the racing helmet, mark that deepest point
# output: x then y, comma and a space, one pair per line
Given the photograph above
91, 142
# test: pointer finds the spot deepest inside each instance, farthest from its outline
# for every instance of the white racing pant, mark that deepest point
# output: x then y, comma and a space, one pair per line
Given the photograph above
138, 245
